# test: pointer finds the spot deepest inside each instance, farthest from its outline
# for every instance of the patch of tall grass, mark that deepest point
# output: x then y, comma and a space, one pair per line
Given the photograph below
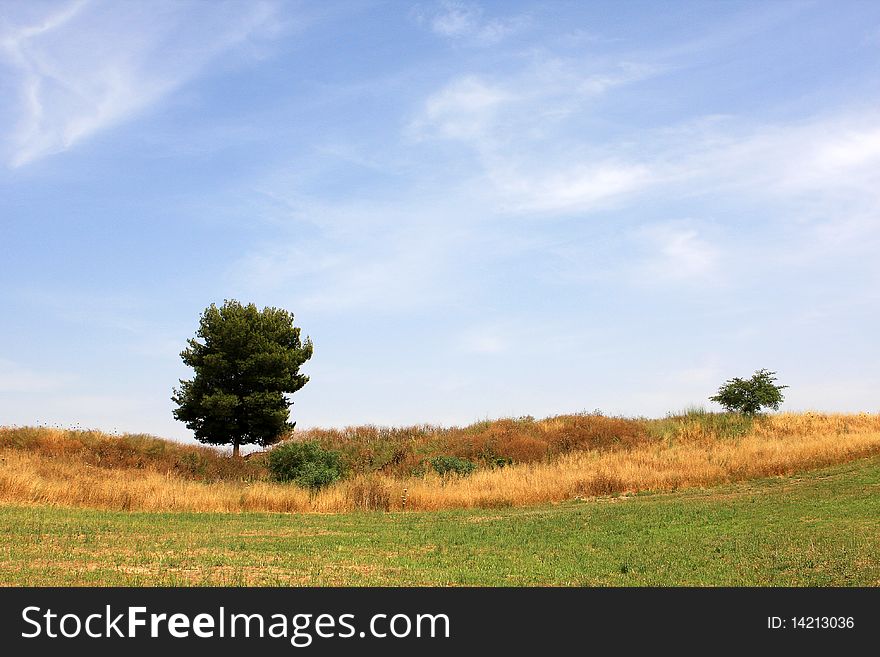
131, 452
400, 451
696, 421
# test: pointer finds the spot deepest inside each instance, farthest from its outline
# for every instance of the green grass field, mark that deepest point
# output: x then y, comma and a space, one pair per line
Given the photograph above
820, 528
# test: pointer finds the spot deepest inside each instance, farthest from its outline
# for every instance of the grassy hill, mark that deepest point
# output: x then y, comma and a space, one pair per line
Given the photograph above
821, 528
519, 462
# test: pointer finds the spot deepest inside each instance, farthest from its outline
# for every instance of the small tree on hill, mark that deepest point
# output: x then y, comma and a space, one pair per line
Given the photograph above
749, 396
245, 360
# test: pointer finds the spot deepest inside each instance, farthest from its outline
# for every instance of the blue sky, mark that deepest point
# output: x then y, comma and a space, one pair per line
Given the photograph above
474, 209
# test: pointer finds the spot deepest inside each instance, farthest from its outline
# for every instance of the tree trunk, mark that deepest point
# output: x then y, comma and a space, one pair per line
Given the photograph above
235, 453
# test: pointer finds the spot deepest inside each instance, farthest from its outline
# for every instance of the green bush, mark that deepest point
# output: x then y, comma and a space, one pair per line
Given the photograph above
307, 464
445, 464
190, 463
749, 396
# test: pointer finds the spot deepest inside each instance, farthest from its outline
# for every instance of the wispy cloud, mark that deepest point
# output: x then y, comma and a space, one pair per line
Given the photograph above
527, 103
467, 22
837, 152
386, 256
87, 66
819, 177
516, 127
524, 157
465, 109
574, 187
532, 138
676, 251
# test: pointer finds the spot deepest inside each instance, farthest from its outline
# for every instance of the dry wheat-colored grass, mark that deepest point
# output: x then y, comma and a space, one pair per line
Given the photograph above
779, 445
689, 452
398, 451
130, 452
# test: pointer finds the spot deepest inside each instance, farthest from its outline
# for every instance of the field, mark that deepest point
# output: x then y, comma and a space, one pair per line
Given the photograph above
691, 499
820, 528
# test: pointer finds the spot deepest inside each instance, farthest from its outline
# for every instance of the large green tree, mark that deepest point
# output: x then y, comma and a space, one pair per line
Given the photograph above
246, 362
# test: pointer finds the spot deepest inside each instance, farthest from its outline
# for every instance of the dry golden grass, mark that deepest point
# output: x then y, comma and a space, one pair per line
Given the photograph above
685, 452
779, 445
130, 451
34, 478
398, 451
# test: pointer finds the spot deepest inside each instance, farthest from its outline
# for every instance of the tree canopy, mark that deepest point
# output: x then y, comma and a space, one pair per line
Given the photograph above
246, 362
749, 396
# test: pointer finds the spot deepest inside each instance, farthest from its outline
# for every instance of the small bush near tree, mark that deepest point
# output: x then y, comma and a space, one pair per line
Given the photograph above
452, 464
306, 464
749, 396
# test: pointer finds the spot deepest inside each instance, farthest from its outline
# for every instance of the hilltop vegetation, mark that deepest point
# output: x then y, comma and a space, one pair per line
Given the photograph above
517, 462
393, 451
95, 449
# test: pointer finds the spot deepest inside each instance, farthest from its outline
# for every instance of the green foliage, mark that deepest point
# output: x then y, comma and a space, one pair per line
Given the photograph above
749, 396
452, 464
245, 360
306, 464
191, 464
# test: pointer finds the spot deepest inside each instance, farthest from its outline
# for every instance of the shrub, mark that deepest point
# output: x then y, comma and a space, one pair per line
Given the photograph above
307, 464
452, 464
499, 461
749, 396
190, 464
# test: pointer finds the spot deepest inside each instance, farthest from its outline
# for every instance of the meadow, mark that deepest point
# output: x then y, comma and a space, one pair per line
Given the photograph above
820, 528
521, 462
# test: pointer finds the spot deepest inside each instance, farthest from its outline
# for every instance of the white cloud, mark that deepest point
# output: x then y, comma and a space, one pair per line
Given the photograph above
455, 19
522, 106
833, 154
88, 66
848, 150
465, 109
819, 175
530, 149
462, 21
676, 251
575, 188
517, 128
